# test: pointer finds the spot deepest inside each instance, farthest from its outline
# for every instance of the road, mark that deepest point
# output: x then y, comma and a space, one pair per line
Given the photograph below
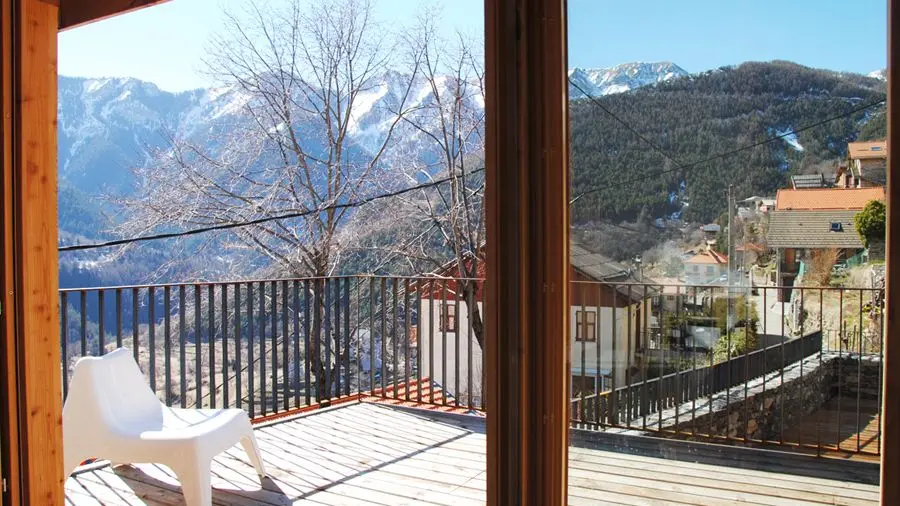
769, 311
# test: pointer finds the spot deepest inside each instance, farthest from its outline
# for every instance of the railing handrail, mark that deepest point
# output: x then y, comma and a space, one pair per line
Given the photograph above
425, 277
675, 375
271, 345
687, 288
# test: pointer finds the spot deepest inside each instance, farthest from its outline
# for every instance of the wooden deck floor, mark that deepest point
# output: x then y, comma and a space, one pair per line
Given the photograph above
367, 453
837, 427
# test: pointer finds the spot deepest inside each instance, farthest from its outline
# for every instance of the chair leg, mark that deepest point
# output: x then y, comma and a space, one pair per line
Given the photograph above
196, 483
252, 448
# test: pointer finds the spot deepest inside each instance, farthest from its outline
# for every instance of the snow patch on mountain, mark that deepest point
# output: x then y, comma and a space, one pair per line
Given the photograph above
620, 78
790, 138
363, 104
232, 103
108, 126
878, 74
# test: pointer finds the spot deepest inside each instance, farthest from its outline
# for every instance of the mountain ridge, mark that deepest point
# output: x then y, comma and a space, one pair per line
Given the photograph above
109, 125
621, 78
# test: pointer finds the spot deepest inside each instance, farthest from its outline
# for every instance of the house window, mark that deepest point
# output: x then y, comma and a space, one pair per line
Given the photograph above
836, 226
585, 326
710, 269
448, 317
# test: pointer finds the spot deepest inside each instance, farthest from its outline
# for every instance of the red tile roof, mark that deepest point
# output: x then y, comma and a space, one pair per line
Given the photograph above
822, 199
708, 257
416, 388
750, 247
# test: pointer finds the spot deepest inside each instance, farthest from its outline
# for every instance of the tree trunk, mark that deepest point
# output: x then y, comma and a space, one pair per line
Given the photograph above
470, 292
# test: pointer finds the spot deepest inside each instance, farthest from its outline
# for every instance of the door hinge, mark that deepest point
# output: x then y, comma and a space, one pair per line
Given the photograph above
4, 485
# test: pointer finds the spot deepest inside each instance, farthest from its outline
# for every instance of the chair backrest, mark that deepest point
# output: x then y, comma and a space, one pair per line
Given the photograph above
112, 390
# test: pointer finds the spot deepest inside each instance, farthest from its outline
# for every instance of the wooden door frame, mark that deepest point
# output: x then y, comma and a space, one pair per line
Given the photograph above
526, 151
527, 219
30, 379
32, 393
890, 410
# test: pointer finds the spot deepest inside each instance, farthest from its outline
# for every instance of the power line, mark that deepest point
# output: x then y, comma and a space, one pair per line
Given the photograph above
299, 214
368, 200
725, 154
626, 125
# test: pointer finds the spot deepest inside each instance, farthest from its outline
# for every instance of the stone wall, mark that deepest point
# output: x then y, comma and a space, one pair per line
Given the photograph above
760, 410
859, 376
767, 406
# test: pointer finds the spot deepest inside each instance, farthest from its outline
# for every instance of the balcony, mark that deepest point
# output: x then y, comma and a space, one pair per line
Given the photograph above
369, 390
369, 453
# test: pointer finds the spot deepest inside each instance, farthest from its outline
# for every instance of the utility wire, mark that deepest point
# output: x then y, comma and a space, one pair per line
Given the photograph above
368, 200
626, 125
724, 154
299, 214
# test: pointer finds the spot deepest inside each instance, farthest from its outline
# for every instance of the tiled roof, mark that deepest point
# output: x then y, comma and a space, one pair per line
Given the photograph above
812, 229
827, 198
750, 247
595, 265
708, 257
866, 150
415, 390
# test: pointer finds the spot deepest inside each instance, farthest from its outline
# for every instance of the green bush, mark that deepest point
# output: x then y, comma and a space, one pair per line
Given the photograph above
742, 340
870, 222
740, 306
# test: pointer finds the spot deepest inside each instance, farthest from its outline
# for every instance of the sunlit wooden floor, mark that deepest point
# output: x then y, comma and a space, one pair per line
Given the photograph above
367, 453
846, 426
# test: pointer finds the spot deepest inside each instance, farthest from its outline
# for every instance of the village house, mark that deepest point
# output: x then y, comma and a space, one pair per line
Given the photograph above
751, 205
706, 267
609, 315
866, 166
814, 219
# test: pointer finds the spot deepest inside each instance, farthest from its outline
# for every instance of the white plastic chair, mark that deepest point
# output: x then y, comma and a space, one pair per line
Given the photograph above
112, 414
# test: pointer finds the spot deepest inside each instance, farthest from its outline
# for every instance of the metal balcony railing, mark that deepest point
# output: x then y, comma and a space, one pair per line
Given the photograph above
795, 367
272, 346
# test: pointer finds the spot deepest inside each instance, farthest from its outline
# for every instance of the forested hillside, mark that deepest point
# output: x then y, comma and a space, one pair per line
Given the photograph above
699, 116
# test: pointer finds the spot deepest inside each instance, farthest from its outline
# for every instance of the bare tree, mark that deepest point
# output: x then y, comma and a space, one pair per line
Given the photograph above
296, 75
441, 228
295, 79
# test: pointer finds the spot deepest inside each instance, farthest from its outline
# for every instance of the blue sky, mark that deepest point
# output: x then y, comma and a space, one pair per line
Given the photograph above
165, 44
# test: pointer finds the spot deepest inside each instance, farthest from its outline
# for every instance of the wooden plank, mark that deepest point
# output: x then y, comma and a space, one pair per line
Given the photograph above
309, 463
726, 476
717, 454
9, 442
707, 487
30, 260
527, 227
890, 418
73, 13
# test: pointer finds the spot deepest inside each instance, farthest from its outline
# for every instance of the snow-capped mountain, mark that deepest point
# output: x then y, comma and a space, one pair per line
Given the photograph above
878, 74
109, 126
621, 78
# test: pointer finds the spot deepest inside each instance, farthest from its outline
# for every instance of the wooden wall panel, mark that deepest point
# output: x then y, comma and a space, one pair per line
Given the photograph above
8, 399
75, 13
890, 420
527, 252
29, 253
